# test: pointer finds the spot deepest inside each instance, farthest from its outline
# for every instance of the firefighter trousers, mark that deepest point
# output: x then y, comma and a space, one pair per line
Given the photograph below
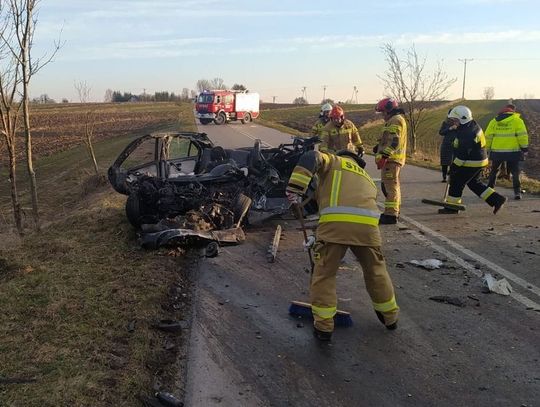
391, 188
328, 257
470, 176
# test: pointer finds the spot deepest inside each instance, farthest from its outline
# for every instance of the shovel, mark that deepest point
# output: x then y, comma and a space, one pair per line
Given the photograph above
443, 203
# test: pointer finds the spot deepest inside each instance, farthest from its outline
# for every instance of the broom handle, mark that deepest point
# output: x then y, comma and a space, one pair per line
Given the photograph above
298, 213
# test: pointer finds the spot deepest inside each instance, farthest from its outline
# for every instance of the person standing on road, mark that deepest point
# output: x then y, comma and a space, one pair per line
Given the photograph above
324, 118
447, 149
390, 156
346, 196
469, 158
507, 140
340, 134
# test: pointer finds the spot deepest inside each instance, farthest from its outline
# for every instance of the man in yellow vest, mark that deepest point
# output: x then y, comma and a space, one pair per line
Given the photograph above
346, 196
324, 118
340, 134
507, 140
390, 156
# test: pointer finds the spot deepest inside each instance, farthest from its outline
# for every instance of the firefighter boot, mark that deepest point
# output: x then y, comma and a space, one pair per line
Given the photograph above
322, 335
390, 327
497, 201
387, 219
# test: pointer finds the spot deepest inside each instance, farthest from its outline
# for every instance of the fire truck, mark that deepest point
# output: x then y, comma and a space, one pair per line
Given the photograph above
221, 106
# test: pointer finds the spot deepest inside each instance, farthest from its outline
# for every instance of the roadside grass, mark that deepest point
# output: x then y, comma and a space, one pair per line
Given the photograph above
68, 293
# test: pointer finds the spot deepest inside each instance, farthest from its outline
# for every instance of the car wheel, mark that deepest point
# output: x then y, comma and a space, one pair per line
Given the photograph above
240, 208
133, 209
220, 119
246, 119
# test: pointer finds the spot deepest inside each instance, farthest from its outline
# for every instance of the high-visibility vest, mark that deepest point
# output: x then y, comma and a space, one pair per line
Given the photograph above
507, 134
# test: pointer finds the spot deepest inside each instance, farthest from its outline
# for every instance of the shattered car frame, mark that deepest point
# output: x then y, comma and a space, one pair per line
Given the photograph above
184, 176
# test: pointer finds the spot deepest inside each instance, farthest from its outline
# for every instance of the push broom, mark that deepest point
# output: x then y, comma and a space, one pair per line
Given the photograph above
443, 203
303, 309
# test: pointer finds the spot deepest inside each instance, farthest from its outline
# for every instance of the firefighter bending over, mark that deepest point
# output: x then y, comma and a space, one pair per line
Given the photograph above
340, 134
346, 196
390, 156
470, 158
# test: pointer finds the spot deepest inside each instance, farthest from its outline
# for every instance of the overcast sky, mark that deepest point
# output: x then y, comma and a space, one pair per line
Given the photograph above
277, 47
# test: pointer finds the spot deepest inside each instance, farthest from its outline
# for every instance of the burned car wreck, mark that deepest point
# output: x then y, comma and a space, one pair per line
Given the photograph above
184, 190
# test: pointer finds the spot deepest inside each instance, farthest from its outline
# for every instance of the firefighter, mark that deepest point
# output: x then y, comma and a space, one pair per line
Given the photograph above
470, 158
390, 156
507, 140
346, 196
340, 134
324, 118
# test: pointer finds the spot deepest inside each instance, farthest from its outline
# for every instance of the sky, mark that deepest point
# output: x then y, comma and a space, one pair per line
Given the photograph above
278, 48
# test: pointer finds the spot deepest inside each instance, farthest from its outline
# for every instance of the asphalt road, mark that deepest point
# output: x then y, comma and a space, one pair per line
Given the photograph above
246, 351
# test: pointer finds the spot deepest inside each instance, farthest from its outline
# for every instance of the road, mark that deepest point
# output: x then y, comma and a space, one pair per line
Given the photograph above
246, 351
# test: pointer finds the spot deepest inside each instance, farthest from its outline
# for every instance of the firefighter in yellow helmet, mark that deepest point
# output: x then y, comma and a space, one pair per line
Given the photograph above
346, 196
507, 140
390, 156
340, 134
324, 118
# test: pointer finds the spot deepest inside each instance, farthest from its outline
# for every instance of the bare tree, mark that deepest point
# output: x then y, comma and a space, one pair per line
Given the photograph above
489, 93
108, 97
407, 80
10, 110
218, 83
83, 90
20, 22
203, 84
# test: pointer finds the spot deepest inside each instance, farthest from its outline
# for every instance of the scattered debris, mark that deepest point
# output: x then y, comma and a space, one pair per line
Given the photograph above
428, 264
168, 399
530, 252
273, 248
448, 300
131, 325
501, 286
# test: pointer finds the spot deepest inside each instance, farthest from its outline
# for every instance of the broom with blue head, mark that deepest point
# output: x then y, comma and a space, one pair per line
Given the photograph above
301, 309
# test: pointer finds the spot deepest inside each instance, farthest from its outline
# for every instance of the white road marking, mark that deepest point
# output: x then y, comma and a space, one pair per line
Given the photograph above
459, 260
263, 143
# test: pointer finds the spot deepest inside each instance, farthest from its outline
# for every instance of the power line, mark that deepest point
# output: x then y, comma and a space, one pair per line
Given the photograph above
464, 60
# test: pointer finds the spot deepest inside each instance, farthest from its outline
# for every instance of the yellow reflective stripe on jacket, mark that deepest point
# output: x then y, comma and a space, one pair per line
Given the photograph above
345, 217
350, 210
336, 187
387, 306
471, 163
300, 179
391, 204
324, 312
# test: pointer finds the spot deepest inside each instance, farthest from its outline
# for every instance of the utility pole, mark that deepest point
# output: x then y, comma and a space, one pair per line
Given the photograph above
354, 95
304, 93
464, 60
274, 99
324, 93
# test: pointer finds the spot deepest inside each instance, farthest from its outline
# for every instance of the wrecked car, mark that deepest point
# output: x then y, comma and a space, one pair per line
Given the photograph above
183, 181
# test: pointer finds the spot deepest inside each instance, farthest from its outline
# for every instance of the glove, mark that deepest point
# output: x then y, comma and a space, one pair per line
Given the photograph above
360, 151
308, 244
293, 198
381, 162
375, 149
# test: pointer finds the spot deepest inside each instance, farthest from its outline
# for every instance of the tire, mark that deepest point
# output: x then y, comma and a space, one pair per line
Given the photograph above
205, 121
247, 118
220, 119
133, 209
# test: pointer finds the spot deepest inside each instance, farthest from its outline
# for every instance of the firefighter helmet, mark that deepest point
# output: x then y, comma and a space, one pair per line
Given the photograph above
337, 113
327, 107
386, 105
462, 113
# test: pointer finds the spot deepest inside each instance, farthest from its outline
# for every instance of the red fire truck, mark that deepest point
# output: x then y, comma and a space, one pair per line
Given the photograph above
221, 106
